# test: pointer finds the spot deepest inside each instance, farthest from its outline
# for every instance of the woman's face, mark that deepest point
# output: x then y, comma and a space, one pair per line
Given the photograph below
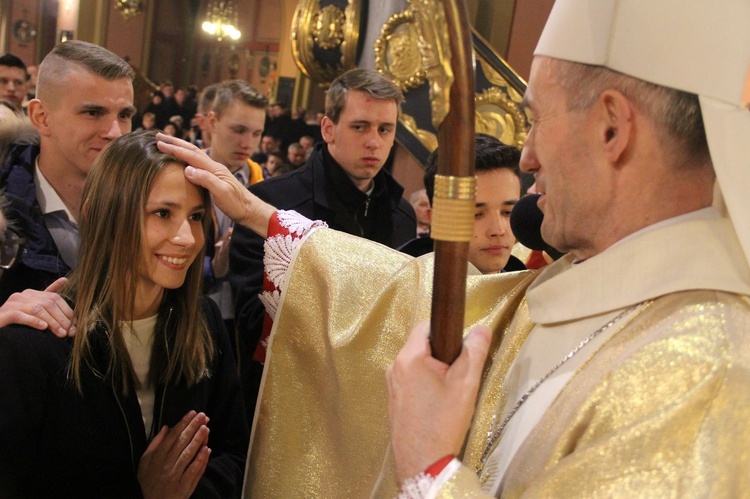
172, 236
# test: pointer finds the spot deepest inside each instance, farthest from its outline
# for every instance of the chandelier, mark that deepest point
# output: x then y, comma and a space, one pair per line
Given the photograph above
129, 8
222, 20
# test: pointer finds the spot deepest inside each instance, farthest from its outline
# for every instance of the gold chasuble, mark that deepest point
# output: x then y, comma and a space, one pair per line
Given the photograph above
321, 429
660, 406
655, 398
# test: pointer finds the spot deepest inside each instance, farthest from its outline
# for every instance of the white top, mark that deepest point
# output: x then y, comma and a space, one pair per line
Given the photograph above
139, 340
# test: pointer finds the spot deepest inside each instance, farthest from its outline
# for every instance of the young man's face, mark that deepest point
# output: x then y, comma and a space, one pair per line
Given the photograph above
235, 135
272, 163
497, 192
296, 156
12, 85
362, 139
148, 123
269, 144
76, 126
421, 204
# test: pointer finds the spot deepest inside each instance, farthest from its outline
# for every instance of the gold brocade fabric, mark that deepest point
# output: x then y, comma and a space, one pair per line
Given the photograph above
322, 426
662, 410
659, 409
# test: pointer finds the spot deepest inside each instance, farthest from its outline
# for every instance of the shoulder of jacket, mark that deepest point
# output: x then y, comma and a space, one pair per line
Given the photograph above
16, 131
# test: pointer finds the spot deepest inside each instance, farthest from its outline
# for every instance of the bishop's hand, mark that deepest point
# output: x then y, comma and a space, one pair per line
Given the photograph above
228, 193
431, 403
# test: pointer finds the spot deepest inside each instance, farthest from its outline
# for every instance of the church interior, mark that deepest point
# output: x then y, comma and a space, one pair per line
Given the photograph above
281, 49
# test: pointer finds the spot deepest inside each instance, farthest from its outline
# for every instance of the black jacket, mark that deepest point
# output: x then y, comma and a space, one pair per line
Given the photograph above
55, 442
39, 263
320, 190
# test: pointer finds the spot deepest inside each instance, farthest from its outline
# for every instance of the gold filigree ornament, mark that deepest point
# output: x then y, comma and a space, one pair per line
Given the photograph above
328, 31
327, 28
494, 77
498, 115
129, 8
397, 51
428, 139
434, 47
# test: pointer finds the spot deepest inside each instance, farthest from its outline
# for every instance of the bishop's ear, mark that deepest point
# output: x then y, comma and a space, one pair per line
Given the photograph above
617, 123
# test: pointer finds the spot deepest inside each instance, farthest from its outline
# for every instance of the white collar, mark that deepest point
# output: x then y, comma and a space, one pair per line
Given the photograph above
694, 251
49, 200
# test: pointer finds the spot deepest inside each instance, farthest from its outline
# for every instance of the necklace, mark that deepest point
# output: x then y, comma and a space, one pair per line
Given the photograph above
493, 435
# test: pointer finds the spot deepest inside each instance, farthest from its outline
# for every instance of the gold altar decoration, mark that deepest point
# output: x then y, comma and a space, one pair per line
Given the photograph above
328, 28
397, 52
427, 138
434, 47
402, 52
129, 8
499, 116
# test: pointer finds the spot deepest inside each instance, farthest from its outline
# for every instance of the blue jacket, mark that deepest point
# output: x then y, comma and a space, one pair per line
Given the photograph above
39, 263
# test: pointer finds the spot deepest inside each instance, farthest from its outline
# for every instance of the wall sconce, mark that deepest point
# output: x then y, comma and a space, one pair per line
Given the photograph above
67, 20
129, 8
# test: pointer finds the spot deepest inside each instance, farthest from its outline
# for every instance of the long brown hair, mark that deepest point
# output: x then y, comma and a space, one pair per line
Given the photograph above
103, 284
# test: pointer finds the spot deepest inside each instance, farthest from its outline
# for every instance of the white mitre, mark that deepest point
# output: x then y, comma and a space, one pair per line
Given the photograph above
697, 46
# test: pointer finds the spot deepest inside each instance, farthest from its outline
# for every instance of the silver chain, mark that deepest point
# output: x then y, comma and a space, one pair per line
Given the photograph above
494, 435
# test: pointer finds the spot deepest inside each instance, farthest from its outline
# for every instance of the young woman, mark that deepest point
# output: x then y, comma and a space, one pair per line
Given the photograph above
145, 399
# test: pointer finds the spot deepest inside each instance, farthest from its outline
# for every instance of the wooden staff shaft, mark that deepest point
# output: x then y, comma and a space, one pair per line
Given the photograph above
455, 158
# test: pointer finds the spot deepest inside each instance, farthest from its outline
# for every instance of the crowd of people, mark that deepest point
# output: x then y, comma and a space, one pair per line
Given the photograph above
164, 291
288, 137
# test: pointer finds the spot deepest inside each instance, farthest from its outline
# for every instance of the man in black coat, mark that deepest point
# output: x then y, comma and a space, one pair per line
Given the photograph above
343, 183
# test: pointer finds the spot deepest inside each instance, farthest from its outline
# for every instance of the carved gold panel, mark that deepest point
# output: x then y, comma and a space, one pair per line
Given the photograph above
434, 47
328, 27
427, 138
397, 51
498, 115
324, 36
413, 49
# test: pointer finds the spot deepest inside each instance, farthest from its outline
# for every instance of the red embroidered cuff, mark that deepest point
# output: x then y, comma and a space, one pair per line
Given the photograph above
439, 465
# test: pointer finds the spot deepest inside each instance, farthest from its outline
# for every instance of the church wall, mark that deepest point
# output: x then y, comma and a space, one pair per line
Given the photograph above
125, 38
528, 21
170, 43
22, 10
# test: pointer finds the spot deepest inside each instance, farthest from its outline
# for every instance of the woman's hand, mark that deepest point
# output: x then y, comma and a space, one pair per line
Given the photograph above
175, 459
